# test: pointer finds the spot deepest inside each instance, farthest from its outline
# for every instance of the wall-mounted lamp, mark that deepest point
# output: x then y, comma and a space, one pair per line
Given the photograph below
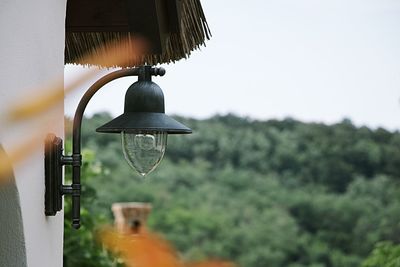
143, 127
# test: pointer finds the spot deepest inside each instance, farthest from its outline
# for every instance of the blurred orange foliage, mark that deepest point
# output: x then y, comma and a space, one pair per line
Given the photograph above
147, 249
38, 105
113, 53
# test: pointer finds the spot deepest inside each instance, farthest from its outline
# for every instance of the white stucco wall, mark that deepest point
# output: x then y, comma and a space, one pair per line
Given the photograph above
32, 53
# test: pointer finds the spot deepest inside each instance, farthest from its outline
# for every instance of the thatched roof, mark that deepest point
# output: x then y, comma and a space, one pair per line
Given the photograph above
172, 28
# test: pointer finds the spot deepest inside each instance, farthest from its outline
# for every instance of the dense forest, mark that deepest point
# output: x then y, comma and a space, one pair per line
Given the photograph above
258, 193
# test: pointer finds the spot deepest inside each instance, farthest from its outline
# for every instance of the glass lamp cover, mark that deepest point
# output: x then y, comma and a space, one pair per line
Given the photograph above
144, 151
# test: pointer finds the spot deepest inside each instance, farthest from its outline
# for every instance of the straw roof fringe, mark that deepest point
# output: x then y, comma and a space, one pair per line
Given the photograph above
194, 32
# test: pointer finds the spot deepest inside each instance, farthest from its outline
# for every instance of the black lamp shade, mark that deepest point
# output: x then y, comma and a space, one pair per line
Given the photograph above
144, 112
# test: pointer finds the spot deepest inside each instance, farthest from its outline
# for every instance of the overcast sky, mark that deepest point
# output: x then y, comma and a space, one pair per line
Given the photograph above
312, 60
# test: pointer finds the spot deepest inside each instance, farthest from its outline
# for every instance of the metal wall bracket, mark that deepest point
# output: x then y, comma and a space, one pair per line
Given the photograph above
54, 160
53, 174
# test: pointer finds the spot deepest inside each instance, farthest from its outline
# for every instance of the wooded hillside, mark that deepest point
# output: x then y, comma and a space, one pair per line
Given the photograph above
260, 193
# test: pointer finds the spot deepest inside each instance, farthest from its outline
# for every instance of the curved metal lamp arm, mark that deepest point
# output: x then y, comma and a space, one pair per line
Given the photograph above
53, 155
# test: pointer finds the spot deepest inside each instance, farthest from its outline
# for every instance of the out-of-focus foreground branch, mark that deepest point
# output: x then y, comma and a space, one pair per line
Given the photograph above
38, 105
